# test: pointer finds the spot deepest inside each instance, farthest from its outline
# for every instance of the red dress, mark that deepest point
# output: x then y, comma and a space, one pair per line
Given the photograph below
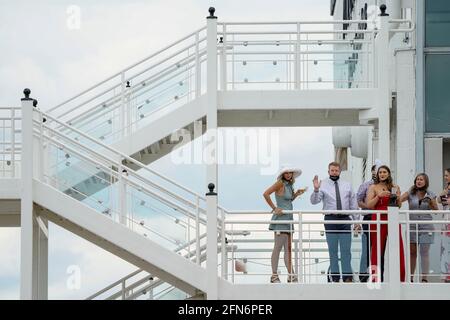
382, 205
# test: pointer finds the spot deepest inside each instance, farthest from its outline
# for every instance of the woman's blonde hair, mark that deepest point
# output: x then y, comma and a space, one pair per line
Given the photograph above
292, 181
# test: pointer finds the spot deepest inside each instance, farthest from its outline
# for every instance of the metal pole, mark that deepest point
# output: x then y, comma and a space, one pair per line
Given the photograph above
408, 249
122, 194
223, 60
297, 71
197, 67
300, 247
378, 266
197, 231
122, 102
223, 242
13, 143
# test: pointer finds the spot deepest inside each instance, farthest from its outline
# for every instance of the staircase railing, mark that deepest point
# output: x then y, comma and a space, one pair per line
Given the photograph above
147, 283
298, 55
10, 142
144, 283
124, 102
126, 195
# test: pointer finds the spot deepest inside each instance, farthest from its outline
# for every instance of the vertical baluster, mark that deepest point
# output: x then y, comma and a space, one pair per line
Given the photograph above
198, 80
13, 143
297, 70
197, 229
222, 234
300, 247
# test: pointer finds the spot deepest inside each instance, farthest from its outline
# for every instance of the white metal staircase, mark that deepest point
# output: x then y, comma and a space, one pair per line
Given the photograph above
91, 152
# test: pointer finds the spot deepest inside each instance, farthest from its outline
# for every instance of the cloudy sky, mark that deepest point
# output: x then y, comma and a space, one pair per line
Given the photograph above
41, 51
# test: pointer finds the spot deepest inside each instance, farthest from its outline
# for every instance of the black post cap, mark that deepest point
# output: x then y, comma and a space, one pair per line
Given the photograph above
27, 93
128, 84
211, 13
211, 192
35, 102
383, 11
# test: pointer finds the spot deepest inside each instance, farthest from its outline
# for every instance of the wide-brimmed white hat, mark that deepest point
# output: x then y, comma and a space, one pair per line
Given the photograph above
288, 168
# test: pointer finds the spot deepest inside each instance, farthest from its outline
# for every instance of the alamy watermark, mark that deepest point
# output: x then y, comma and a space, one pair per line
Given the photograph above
73, 21
74, 279
241, 146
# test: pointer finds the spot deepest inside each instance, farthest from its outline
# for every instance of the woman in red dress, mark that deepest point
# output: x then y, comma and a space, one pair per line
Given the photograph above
378, 199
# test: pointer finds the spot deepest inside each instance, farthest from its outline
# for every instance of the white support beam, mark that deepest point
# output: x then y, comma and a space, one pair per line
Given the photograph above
384, 93
40, 257
332, 99
210, 151
34, 230
27, 282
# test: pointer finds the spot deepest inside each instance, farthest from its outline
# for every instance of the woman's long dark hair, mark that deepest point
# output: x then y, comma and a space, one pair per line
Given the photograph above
389, 182
414, 189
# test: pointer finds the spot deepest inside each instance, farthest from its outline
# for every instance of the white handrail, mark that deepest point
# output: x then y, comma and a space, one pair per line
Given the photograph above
128, 68
296, 22
130, 182
120, 154
156, 282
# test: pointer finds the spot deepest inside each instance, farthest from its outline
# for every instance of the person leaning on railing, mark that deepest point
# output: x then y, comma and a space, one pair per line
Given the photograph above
378, 198
284, 196
444, 199
421, 235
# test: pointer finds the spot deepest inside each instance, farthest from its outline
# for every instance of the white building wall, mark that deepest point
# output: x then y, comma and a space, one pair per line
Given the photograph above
405, 129
434, 162
402, 84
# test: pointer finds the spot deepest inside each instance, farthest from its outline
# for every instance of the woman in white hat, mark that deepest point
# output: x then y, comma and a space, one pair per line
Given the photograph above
284, 195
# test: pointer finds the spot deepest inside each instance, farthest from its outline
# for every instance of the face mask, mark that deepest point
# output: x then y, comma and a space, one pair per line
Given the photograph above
334, 178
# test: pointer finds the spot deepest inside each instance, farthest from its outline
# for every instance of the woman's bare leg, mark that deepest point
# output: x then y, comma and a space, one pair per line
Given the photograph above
425, 261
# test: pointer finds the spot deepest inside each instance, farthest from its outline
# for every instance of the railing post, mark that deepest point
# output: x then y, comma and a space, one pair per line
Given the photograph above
408, 248
224, 246
197, 230
26, 201
384, 92
122, 196
211, 162
33, 237
223, 60
394, 253
300, 247
41, 152
124, 296
211, 243
122, 121
13, 143
198, 70
297, 66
